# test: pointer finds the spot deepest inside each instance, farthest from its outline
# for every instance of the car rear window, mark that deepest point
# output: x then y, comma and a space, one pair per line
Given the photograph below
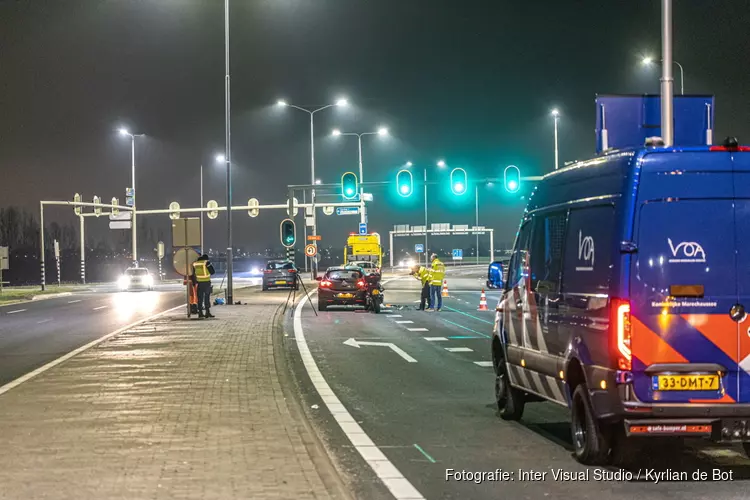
343, 274
137, 272
275, 266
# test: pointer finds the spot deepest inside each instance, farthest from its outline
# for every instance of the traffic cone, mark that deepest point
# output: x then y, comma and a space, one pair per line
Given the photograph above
483, 302
445, 288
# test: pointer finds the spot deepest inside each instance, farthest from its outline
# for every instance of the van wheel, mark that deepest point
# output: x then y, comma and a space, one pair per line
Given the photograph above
625, 451
590, 441
510, 401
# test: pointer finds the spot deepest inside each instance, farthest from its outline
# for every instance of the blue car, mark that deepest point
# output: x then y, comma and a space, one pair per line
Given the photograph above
626, 300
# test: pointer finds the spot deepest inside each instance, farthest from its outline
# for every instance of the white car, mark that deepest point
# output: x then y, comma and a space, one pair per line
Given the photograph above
136, 278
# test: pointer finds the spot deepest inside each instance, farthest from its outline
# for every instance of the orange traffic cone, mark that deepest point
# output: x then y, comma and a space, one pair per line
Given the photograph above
483, 302
445, 288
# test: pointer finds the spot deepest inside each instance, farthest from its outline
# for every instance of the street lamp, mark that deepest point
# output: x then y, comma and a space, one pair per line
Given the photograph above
556, 115
341, 102
125, 133
382, 132
441, 163
648, 61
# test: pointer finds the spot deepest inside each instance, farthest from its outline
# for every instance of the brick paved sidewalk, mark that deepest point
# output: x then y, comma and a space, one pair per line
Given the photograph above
173, 408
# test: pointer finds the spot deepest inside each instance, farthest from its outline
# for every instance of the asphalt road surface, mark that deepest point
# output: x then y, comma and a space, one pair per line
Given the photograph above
437, 412
34, 333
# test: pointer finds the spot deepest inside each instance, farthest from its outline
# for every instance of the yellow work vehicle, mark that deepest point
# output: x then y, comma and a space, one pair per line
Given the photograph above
364, 251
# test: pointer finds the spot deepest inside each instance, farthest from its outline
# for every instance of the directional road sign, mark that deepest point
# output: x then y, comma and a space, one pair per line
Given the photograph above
347, 210
419, 248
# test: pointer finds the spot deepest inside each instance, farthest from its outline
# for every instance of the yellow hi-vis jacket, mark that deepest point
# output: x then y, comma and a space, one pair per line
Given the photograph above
200, 269
437, 275
423, 275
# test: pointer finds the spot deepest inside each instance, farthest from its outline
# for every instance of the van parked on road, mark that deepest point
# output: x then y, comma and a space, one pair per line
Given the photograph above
627, 296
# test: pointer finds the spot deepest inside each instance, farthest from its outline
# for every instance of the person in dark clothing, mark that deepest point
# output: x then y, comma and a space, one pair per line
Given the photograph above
202, 272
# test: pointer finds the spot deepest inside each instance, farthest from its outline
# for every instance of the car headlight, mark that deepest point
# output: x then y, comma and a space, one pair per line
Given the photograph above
124, 282
149, 280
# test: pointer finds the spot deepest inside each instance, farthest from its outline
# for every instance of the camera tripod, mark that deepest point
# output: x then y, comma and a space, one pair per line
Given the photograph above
293, 295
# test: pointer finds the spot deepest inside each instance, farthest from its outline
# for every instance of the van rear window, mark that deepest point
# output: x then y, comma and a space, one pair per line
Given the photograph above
588, 250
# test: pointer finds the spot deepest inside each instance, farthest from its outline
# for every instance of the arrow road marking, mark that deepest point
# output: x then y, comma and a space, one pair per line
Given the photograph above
352, 342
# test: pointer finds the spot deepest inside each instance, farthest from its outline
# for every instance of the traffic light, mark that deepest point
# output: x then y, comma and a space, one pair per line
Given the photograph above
349, 186
78, 210
288, 236
512, 179
458, 181
404, 183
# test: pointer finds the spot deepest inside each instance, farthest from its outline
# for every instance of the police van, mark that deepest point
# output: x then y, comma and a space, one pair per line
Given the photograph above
626, 299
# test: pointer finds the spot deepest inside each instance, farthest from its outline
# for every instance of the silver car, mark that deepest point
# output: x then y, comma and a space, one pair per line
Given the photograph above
280, 274
136, 278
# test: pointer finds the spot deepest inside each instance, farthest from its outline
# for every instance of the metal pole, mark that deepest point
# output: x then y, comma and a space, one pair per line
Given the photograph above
362, 216
304, 243
313, 262
557, 157
476, 196
390, 234
709, 125
83, 249
41, 243
425, 217
202, 251
492, 246
682, 78
228, 153
132, 171
667, 81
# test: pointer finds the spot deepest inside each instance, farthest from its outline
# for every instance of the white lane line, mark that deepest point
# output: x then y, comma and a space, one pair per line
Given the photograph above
100, 307
20, 380
44, 321
395, 316
16, 311
436, 339
407, 322
397, 484
73, 301
483, 363
459, 349
418, 329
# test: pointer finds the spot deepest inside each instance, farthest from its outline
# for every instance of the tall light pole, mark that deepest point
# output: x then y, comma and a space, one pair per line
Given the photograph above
556, 115
228, 152
476, 220
382, 132
202, 252
124, 132
341, 103
667, 81
647, 61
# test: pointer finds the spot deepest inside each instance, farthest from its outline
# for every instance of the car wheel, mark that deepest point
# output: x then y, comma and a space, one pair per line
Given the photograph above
510, 401
322, 306
591, 441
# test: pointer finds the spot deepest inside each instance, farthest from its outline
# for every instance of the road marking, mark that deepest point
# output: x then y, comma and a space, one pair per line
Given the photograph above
407, 322
16, 311
397, 484
459, 349
467, 328
428, 457
354, 343
44, 321
73, 301
395, 316
436, 339
20, 380
100, 307
483, 363
418, 329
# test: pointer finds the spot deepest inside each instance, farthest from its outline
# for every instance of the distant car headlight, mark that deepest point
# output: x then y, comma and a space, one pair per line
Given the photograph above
149, 280
255, 270
124, 282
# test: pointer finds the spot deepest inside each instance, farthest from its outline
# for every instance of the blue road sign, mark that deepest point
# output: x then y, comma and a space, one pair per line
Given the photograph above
419, 248
347, 210
458, 254
362, 228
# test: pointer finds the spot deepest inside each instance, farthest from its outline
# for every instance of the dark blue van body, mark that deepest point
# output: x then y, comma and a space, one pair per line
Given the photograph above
495, 275
630, 278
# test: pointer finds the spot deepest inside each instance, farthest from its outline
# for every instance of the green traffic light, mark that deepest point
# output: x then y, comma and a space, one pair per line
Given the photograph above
459, 187
512, 185
405, 183
404, 189
349, 185
512, 178
458, 181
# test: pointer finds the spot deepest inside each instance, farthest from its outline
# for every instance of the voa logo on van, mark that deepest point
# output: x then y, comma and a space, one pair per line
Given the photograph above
687, 251
585, 252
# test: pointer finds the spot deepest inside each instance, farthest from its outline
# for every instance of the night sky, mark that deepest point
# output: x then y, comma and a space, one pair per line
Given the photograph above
469, 82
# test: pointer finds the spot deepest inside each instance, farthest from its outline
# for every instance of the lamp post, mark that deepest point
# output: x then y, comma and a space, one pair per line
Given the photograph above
201, 211
556, 115
340, 103
647, 61
124, 132
228, 152
382, 132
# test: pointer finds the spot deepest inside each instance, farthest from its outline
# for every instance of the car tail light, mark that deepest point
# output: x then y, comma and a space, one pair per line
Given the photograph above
729, 149
325, 284
361, 283
621, 332
292, 270
268, 271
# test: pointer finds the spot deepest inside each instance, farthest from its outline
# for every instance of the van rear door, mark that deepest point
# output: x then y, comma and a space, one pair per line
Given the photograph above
741, 165
685, 345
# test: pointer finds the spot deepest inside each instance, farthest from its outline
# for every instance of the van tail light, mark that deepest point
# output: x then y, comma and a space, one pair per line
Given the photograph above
730, 149
325, 284
621, 333
361, 283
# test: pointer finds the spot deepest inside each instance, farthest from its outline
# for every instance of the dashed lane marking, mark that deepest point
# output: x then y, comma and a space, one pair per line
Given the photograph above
470, 315
459, 349
16, 311
73, 301
397, 484
100, 307
406, 322
44, 321
462, 337
426, 455
483, 363
418, 329
436, 339
395, 316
